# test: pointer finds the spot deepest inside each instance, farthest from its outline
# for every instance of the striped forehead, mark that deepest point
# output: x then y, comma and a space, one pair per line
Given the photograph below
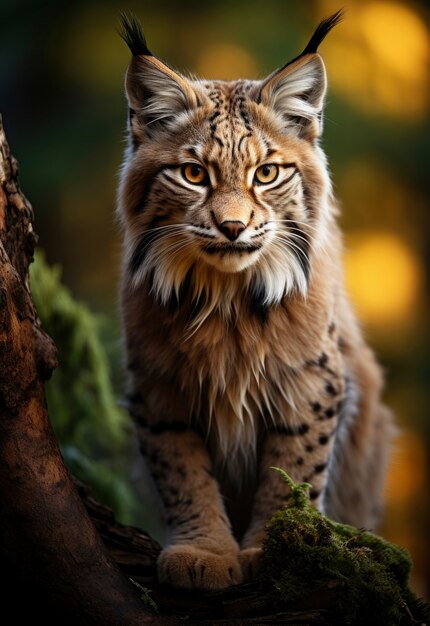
233, 141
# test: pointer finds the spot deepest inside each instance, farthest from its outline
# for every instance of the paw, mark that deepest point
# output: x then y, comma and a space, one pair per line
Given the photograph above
250, 562
190, 567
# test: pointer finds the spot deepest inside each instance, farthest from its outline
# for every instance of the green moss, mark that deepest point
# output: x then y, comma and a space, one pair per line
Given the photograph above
303, 547
82, 381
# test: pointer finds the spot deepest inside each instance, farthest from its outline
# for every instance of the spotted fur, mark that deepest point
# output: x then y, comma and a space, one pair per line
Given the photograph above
242, 350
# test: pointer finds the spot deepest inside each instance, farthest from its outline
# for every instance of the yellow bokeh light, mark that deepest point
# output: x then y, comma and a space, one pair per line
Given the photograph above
398, 37
379, 58
226, 62
383, 276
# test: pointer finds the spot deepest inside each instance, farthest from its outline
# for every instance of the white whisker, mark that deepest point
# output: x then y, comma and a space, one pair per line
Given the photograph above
167, 227
298, 257
289, 238
295, 222
294, 236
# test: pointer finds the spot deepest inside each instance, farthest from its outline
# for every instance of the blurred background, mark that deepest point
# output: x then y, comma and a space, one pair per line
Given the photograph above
61, 96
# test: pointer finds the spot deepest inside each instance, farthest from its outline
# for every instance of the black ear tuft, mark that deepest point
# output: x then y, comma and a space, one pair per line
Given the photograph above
132, 33
322, 31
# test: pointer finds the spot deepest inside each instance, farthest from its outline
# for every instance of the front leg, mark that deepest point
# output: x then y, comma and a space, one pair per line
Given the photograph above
301, 446
201, 551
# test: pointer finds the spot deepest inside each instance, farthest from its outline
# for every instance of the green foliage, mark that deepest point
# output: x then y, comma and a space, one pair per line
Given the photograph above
304, 547
93, 431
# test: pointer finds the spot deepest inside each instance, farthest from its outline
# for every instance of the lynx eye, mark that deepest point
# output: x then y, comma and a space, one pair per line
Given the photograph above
266, 173
194, 174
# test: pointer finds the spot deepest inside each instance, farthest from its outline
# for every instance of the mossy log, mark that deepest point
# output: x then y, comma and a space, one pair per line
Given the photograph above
136, 553
63, 557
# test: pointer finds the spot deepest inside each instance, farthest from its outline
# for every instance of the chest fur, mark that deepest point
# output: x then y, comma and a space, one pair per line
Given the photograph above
240, 375
234, 374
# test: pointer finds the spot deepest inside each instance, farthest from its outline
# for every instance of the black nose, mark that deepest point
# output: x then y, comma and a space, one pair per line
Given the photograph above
232, 229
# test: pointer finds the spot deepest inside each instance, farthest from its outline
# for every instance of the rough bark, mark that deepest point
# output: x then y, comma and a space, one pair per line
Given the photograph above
67, 562
45, 532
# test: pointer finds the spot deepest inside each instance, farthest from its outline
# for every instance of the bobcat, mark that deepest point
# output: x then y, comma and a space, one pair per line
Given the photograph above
242, 349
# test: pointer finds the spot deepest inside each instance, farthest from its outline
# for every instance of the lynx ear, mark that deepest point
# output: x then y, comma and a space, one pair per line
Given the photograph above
297, 93
156, 93
297, 90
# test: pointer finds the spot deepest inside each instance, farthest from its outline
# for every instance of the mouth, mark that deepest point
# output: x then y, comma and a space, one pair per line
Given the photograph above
231, 248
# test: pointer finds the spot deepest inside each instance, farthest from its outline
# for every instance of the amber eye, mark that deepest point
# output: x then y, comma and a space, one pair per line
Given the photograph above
194, 174
266, 174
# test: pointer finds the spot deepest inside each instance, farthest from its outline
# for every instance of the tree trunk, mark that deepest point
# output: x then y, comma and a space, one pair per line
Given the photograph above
46, 535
